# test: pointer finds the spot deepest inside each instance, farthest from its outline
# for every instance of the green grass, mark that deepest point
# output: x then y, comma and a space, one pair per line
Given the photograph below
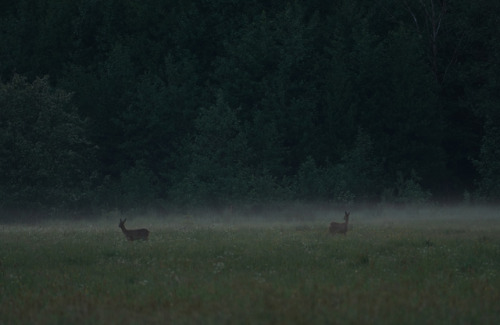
382, 272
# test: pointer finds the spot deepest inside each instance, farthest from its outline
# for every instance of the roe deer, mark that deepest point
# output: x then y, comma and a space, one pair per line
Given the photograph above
340, 228
133, 234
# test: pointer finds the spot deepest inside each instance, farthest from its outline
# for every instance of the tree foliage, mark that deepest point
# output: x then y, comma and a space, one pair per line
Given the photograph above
226, 102
45, 153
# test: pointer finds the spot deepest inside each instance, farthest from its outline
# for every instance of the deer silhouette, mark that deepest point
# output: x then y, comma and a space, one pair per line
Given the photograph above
340, 228
133, 234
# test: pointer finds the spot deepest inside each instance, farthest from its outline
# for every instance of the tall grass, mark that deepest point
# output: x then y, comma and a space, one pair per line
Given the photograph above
381, 272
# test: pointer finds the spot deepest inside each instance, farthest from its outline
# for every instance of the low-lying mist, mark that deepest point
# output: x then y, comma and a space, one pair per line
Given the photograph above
295, 216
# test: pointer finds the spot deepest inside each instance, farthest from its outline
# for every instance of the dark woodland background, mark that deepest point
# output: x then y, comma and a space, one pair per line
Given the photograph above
168, 104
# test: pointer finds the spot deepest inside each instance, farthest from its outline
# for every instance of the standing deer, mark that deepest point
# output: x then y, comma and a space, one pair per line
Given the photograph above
133, 234
340, 228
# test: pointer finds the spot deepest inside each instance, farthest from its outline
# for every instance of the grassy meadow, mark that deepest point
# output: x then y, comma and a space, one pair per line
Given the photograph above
433, 266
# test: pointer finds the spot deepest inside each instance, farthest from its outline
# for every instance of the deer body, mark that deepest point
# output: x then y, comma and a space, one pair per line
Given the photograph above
340, 228
134, 234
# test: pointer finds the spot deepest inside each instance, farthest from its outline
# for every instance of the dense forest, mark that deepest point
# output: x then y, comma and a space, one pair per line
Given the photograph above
163, 104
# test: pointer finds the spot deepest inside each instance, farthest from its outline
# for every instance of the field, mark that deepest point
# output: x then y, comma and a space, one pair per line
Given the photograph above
434, 266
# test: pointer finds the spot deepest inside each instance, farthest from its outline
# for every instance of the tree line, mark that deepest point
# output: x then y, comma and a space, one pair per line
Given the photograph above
110, 104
